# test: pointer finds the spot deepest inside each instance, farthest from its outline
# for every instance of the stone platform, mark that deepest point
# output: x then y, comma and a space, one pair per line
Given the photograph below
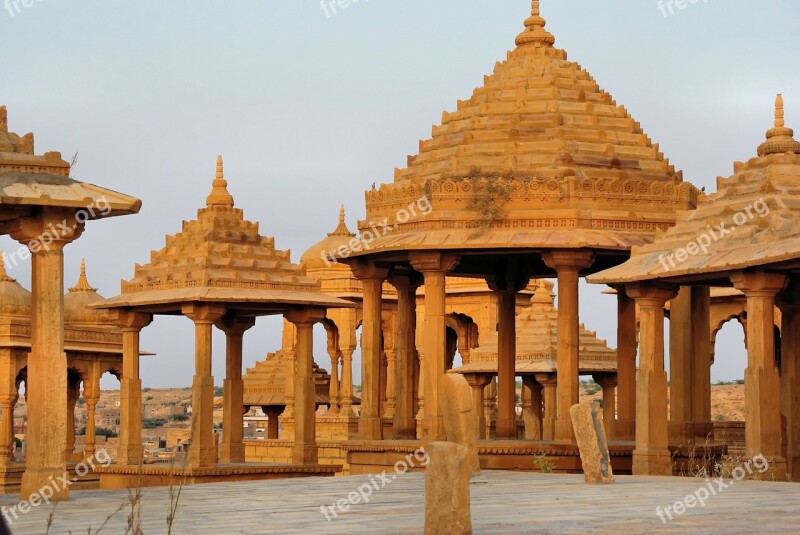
11, 478
124, 477
503, 502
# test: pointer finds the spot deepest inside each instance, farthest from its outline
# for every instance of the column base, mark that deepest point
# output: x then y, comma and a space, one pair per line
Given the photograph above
652, 463
36, 480
201, 456
231, 453
795, 470
346, 411
506, 429
624, 430
564, 432
305, 454
130, 455
405, 429
433, 429
370, 428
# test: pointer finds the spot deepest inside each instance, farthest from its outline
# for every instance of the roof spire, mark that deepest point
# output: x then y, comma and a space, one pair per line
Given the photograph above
83, 283
3, 274
534, 33
780, 139
219, 195
342, 229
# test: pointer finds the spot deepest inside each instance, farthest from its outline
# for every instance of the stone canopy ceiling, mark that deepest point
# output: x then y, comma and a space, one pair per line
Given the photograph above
538, 157
537, 342
221, 257
752, 220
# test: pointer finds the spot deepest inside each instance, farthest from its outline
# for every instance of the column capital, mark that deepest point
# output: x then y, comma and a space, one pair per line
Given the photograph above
405, 280
648, 294
569, 260
233, 325
365, 270
758, 283
546, 378
510, 277
477, 380
203, 313
434, 261
49, 230
129, 320
605, 380
305, 316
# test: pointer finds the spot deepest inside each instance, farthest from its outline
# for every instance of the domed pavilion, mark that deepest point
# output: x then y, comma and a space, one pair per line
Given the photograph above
744, 235
218, 271
539, 174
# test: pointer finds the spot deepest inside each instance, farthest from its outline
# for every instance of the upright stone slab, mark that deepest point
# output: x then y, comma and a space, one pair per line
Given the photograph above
447, 502
459, 422
591, 437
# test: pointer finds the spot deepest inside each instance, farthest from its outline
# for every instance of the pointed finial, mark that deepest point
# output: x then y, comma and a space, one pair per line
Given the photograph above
219, 195
342, 229
780, 139
543, 295
83, 283
3, 274
534, 33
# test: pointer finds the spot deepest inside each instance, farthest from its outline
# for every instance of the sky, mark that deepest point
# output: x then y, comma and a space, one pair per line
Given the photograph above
310, 107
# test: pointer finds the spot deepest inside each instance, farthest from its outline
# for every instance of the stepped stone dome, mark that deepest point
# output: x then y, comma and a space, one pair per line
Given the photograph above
316, 255
78, 301
14, 299
540, 156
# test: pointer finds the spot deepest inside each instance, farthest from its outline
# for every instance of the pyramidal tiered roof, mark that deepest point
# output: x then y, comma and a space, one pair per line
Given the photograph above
541, 132
753, 219
265, 383
221, 257
537, 342
78, 301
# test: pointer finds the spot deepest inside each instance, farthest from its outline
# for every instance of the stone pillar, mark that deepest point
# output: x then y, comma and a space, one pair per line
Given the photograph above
370, 425
790, 373
391, 387
608, 382
434, 268
568, 265
478, 383
549, 382
47, 362
304, 450
91, 395
626, 367
232, 446
762, 394
702, 426
651, 456
272, 421
346, 392
202, 450
333, 391
406, 285
73, 393
506, 427
8, 398
130, 396
532, 408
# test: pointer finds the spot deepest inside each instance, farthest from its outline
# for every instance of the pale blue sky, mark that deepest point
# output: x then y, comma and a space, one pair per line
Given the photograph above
309, 110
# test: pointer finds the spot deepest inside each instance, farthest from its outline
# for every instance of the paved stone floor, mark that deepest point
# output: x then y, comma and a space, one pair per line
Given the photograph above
502, 503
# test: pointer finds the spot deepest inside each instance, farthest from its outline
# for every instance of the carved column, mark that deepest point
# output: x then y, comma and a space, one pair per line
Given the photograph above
608, 382
762, 394
651, 456
232, 446
8, 397
304, 450
434, 268
478, 383
370, 425
790, 373
702, 426
273, 426
47, 362
406, 285
626, 366
91, 395
532, 408
549, 381
333, 391
202, 450
130, 397
73, 393
568, 265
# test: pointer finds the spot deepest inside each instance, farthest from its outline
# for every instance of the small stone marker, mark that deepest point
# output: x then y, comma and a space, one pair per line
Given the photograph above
591, 437
447, 505
459, 422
